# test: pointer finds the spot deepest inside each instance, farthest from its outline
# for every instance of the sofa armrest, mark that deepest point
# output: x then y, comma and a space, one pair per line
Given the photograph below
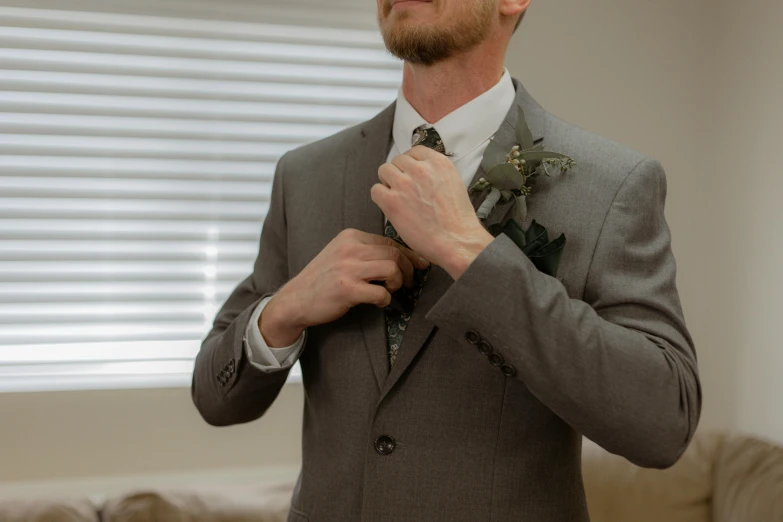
35, 509
619, 491
749, 481
214, 504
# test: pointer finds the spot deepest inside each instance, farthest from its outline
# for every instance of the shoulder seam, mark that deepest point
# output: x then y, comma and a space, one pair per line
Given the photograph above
606, 216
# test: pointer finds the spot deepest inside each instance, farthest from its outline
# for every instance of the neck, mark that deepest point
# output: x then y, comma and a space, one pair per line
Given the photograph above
438, 89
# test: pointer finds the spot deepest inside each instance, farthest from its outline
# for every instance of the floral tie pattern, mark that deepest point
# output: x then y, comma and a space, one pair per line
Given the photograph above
397, 317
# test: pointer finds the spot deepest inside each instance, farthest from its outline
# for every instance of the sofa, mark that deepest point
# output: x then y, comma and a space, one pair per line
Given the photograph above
720, 478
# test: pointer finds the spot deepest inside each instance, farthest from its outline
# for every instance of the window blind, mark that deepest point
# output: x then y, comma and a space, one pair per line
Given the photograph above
136, 159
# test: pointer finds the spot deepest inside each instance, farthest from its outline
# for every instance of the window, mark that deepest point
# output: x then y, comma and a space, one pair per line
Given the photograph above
136, 158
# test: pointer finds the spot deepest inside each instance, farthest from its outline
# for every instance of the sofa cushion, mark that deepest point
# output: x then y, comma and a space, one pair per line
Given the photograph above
214, 504
618, 491
47, 510
749, 481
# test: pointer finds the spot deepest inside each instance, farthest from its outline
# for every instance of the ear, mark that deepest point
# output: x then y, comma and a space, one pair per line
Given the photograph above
513, 7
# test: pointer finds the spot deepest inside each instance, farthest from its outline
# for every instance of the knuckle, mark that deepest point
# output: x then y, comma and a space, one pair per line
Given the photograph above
341, 250
392, 202
384, 297
347, 250
347, 233
395, 254
391, 268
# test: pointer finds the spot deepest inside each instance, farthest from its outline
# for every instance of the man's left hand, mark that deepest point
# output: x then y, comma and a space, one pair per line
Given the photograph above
424, 197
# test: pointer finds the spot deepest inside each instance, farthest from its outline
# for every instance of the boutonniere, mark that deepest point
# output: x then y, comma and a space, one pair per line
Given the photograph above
512, 174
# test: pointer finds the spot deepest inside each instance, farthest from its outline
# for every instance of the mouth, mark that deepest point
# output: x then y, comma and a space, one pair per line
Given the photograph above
404, 4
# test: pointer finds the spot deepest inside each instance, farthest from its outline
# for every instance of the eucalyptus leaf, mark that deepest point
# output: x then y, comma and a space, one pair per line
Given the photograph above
493, 155
505, 177
524, 136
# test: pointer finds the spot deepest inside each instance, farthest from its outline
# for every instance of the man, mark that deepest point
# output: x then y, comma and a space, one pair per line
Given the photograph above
473, 407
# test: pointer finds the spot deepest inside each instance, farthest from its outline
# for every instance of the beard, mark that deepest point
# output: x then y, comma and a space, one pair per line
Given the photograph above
428, 44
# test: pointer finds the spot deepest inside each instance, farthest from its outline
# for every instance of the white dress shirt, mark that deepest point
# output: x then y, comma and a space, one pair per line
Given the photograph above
465, 133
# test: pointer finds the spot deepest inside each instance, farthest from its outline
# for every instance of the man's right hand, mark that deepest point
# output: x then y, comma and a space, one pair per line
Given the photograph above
335, 281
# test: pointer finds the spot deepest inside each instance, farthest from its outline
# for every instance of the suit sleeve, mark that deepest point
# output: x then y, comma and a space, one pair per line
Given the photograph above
226, 388
619, 366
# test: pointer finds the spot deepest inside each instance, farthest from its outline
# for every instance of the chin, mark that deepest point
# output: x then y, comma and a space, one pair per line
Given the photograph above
406, 21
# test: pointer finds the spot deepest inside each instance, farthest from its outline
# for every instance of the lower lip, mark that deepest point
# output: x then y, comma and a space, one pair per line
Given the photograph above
409, 3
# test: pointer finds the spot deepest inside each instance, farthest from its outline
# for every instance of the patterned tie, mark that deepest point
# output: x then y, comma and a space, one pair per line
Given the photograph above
404, 300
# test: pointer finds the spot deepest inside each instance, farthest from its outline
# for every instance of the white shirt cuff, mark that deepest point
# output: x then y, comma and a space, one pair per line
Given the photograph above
258, 351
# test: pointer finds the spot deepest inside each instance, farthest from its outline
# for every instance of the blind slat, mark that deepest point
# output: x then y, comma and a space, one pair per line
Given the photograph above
147, 167
122, 188
196, 68
175, 45
125, 208
168, 25
163, 127
219, 110
137, 155
129, 229
18, 79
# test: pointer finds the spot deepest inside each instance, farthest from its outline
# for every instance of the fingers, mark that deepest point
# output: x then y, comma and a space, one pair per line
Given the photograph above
379, 194
400, 165
366, 238
414, 257
421, 153
373, 294
386, 271
405, 163
389, 254
417, 260
388, 173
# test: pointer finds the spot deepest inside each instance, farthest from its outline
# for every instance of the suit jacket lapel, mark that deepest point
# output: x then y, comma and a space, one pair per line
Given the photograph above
420, 329
371, 149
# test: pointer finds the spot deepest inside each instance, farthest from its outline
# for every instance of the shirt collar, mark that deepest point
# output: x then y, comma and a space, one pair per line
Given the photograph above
463, 129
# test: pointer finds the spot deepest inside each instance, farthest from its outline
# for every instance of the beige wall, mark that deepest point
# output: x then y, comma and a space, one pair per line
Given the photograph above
698, 85
643, 73
681, 81
49, 436
747, 146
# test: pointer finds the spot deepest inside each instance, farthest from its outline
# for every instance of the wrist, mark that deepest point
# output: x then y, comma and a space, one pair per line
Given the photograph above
464, 251
278, 325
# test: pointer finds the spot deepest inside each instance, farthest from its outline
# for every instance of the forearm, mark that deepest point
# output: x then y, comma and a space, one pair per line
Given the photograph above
633, 390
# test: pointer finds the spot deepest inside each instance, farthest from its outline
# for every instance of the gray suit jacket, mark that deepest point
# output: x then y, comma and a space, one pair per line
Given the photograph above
501, 372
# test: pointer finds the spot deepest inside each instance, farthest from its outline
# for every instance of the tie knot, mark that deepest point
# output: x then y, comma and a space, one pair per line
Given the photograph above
428, 137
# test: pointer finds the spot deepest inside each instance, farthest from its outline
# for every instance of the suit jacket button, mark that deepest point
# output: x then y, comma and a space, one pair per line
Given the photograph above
385, 444
472, 337
496, 359
484, 348
508, 370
